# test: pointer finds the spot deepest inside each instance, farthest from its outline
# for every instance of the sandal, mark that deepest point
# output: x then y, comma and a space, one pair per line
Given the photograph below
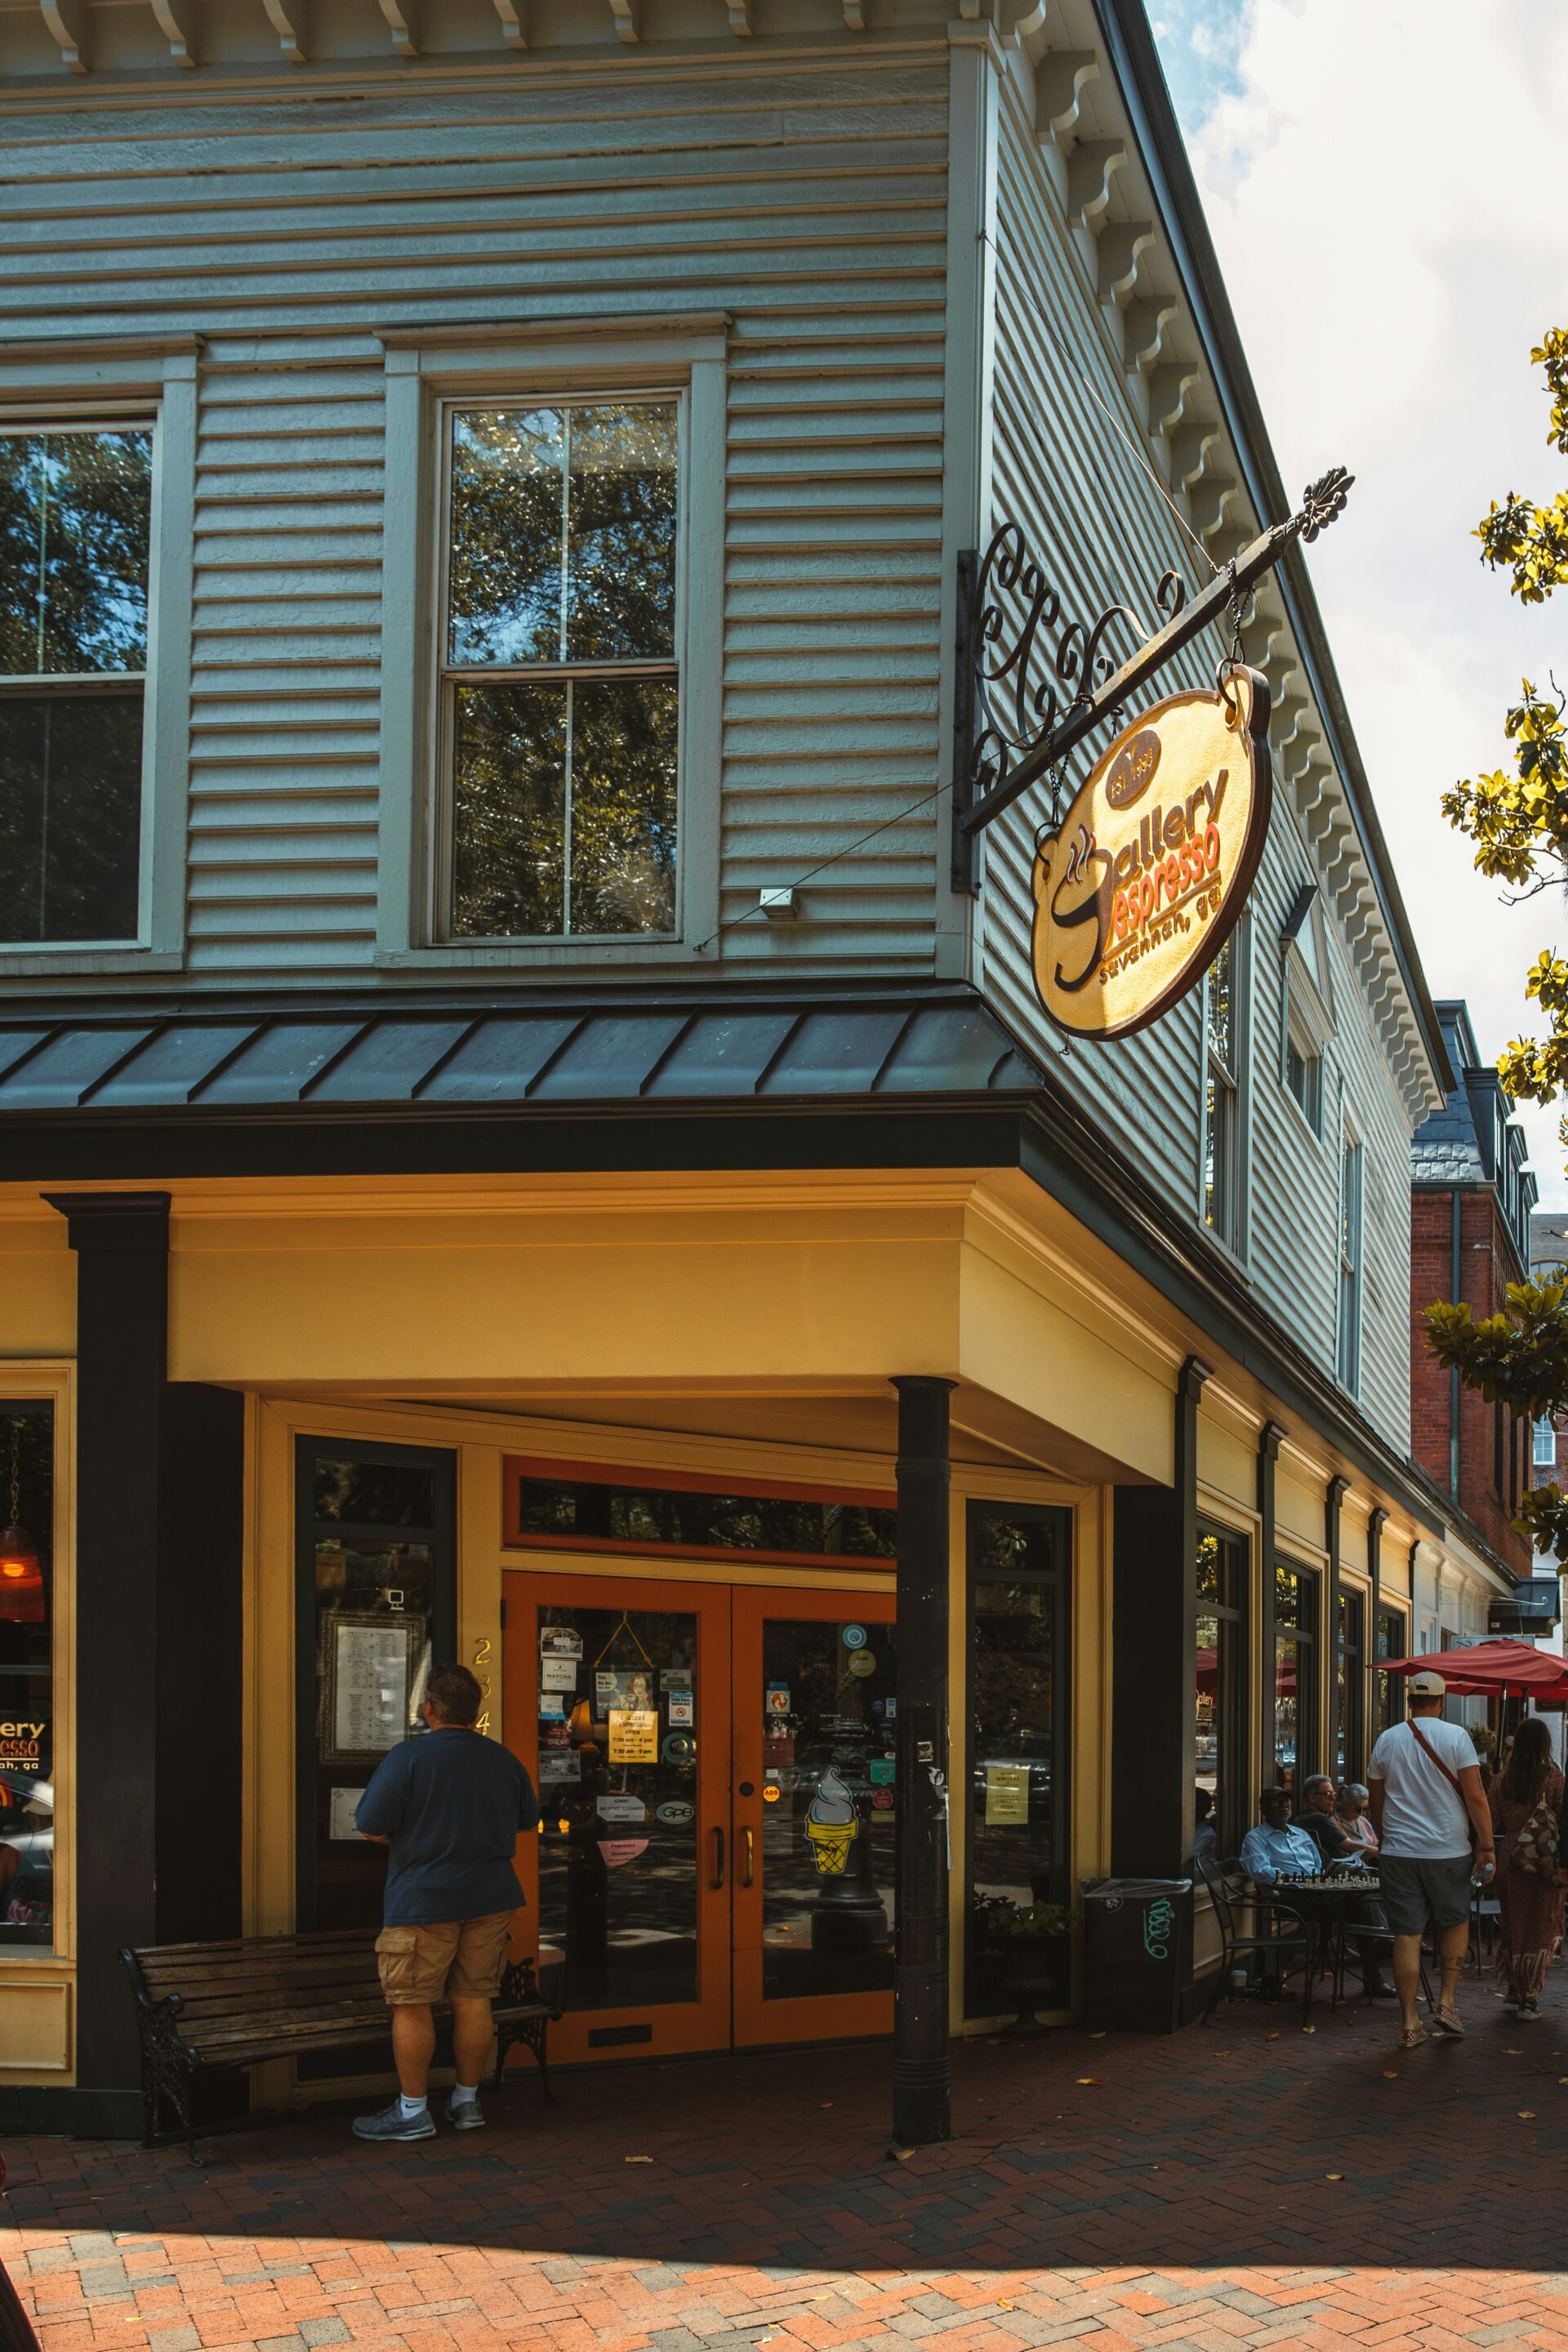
1411, 2037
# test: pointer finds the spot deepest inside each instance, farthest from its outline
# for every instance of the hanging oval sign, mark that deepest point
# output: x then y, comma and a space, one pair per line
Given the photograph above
1141, 888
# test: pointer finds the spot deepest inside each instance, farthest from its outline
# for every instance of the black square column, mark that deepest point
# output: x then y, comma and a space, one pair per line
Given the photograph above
159, 1525
1153, 1672
922, 2066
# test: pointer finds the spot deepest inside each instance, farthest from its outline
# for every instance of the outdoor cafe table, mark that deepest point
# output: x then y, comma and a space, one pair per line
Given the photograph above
1325, 1900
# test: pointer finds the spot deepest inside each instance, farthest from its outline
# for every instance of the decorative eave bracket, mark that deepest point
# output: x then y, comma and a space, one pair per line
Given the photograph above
1011, 725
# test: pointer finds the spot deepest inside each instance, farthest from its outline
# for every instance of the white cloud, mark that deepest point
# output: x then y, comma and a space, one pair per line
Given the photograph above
1384, 180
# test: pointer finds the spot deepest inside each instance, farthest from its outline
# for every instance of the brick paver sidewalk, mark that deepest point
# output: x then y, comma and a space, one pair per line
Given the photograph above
1245, 2185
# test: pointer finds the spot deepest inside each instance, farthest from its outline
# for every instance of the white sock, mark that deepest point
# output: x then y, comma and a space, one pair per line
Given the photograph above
411, 2108
463, 2092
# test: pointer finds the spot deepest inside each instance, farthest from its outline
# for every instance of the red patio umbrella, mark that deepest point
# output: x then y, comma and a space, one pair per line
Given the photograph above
1490, 1670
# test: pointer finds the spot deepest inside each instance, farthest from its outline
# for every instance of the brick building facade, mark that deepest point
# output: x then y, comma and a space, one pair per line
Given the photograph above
1471, 1237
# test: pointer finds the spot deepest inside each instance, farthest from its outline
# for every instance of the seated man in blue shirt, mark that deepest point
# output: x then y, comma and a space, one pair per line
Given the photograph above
1276, 1848
450, 1807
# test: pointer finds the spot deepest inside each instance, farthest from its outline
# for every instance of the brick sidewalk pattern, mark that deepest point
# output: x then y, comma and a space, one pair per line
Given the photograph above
1247, 2184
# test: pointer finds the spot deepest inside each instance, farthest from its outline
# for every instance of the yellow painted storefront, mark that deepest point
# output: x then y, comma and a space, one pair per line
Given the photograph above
731, 1328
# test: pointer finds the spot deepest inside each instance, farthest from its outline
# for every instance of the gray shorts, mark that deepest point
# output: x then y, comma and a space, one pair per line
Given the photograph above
1414, 1891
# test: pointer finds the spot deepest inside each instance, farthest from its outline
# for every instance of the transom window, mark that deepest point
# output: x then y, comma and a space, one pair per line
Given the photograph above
560, 675
75, 526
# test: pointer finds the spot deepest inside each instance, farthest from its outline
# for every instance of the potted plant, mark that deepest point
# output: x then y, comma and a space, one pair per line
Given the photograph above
1026, 1951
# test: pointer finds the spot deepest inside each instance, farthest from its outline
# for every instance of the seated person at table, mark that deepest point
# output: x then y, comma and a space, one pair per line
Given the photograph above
1350, 1811
1205, 1837
1319, 1820
1274, 1847
1281, 1848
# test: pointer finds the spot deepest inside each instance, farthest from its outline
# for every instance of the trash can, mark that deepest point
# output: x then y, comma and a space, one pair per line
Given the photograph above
1137, 1953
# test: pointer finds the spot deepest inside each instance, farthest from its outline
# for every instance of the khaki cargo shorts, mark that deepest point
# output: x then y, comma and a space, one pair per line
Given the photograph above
459, 1960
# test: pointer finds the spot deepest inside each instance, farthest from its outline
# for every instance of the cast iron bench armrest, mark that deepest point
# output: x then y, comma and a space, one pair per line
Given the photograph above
259, 1997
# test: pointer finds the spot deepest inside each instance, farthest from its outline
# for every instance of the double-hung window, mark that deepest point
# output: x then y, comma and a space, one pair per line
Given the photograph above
560, 670
75, 533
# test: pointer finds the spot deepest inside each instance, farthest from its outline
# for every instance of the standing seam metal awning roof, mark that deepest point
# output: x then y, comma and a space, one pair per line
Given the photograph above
551, 1054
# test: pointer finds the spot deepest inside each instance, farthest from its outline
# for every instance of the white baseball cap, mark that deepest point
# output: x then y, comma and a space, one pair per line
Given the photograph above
1427, 1684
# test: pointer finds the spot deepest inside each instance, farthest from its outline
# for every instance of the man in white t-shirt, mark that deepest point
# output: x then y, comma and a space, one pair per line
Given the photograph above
1425, 1783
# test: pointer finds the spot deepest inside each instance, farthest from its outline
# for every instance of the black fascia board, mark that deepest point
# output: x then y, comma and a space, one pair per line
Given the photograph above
1141, 79
1040, 1133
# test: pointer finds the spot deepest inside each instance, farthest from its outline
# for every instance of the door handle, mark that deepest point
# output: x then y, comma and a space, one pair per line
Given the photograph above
751, 1848
718, 1878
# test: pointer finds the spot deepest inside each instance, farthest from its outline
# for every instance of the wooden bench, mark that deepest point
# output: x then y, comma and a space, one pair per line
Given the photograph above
238, 2005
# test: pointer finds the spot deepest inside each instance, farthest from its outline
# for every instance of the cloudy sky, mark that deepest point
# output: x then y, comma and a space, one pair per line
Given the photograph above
1383, 179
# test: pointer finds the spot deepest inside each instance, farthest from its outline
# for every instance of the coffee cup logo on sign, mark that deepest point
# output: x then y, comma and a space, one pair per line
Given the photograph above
1138, 892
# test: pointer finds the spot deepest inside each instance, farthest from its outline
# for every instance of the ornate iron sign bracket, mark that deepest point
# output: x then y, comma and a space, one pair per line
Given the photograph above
1015, 719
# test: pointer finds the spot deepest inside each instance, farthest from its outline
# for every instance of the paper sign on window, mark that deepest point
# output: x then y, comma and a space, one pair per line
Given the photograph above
634, 1735
1006, 1795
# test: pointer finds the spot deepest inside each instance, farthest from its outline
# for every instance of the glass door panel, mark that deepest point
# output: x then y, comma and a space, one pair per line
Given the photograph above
618, 1702
815, 1813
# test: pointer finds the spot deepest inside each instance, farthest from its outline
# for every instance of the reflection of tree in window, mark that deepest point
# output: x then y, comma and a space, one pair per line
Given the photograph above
75, 510
560, 660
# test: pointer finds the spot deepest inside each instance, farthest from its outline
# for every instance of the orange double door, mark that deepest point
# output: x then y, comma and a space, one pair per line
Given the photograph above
716, 1777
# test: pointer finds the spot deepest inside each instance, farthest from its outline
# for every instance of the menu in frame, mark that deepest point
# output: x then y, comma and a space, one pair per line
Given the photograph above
371, 1663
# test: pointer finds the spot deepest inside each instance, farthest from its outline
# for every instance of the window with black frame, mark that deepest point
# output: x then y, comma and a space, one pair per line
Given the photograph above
26, 1675
75, 536
1294, 1697
1388, 1690
377, 1609
1350, 1685
1219, 1754
1019, 1849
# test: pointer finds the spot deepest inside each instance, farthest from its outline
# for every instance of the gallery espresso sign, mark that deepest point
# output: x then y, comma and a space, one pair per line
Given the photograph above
1138, 891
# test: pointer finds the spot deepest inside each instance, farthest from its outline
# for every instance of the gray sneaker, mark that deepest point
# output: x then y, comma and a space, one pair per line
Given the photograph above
464, 2115
391, 2123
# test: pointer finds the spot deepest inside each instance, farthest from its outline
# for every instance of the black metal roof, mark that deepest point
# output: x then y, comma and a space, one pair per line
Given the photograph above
547, 1052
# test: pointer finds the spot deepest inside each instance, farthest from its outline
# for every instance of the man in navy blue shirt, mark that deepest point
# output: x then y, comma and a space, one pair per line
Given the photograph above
449, 1807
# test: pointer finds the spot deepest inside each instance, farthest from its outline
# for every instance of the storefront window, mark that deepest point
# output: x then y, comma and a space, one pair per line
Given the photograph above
1219, 1759
375, 1610
1295, 1698
26, 1675
1349, 1685
1388, 1690
1019, 1567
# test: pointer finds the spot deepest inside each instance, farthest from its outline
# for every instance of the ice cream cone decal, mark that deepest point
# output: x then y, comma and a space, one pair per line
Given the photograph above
831, 1825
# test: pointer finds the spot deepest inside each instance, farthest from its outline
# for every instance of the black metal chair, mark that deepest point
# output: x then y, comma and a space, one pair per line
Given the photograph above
1349, 1933
1288, 1940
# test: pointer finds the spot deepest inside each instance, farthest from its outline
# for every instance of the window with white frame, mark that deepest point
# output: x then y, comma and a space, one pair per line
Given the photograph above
1351, 1168
560, 670
1221, 1139
1304, 1073
1546, 1442
75, 534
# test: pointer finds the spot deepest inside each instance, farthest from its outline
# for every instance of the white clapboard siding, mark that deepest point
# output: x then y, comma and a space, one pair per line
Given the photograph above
808, 201
1103, 530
